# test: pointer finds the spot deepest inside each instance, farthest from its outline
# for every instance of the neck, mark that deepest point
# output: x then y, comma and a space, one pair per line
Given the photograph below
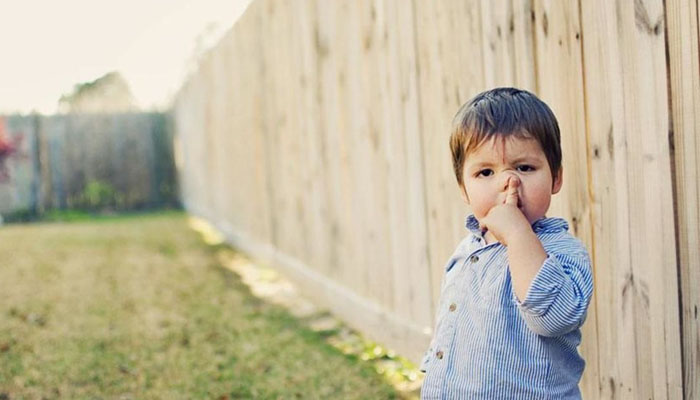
489, 238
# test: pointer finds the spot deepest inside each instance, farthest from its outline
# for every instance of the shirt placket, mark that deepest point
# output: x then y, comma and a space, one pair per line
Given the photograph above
457, 299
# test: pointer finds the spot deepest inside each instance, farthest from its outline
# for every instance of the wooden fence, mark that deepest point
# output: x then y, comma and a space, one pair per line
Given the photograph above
315, 136
117, 161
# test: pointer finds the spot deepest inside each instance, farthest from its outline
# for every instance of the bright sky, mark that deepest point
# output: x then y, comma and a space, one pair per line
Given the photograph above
47, 46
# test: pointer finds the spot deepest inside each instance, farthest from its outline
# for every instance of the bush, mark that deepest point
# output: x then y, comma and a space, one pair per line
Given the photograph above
100, 195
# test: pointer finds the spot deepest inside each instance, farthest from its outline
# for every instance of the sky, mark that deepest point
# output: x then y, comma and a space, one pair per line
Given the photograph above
48, 46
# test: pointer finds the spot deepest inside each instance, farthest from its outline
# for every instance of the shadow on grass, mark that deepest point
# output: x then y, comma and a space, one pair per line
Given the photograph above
318, 327
132, 308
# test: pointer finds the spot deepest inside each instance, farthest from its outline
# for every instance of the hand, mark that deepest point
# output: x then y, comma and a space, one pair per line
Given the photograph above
505, 220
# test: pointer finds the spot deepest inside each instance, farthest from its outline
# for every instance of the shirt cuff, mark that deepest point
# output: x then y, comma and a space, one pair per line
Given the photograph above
543, 288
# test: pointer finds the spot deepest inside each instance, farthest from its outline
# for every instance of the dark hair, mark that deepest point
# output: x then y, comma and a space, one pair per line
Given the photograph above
504, 112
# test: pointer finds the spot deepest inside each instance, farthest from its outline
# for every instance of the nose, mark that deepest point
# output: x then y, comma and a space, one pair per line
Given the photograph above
505, 177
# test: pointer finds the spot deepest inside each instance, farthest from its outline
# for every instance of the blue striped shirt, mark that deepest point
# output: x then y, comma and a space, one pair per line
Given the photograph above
489, 345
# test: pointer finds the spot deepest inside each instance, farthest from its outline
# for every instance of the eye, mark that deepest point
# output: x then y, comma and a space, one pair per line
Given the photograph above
485, 172
525, 168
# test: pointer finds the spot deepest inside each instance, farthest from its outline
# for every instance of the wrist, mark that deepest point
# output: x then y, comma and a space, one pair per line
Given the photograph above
522, 240
526, 255
520, 232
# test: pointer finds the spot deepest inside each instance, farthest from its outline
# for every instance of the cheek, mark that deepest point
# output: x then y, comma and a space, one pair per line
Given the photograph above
481, 198
537, 195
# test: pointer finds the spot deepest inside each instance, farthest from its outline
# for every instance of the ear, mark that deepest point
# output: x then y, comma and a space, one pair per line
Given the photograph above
463, 193
558, 181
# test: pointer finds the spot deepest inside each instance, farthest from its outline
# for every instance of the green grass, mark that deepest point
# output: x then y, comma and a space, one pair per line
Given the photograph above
78, 215
139, 308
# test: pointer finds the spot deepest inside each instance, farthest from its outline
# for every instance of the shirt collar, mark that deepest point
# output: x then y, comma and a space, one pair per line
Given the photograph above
542, 225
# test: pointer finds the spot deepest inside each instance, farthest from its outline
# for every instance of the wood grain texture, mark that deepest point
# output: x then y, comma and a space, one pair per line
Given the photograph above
627, 114
559, 77
508, 44
449, 73
682, 42
329, 121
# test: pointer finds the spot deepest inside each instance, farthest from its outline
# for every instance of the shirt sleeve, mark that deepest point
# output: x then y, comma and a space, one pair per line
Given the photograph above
558, 297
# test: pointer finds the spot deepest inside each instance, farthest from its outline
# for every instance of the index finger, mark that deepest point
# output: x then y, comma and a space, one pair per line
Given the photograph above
512, 193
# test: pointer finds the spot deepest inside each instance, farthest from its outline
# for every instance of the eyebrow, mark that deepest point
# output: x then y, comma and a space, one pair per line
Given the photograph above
529, 159
481, 164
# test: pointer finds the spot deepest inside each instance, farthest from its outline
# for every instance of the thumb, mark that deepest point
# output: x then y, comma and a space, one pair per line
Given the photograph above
512, 191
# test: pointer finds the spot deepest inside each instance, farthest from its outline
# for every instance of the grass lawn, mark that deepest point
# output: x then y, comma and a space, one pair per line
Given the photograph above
140, 308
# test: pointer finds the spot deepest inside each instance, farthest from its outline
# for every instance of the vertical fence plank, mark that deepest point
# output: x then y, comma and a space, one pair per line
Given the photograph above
57, 134
683, 42
499, 63
560, 85
282, 137
449, 73
218, 131
627, 113
46, 183
507, 42
360, 132
400, 131
244, 208
191, 133
18, 192
332, 113
252, 99
209, 134
323, 227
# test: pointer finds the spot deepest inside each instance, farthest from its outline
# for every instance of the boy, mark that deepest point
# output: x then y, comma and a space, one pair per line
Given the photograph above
516, 290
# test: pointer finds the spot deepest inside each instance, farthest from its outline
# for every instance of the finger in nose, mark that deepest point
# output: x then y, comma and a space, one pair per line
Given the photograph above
515, 180
507, 179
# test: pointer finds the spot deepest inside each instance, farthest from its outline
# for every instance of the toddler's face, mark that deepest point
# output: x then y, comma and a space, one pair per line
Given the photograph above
487, 168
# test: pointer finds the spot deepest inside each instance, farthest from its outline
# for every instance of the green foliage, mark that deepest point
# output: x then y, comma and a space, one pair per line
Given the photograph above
76, 215
24, 215
100, 195
108, 93
66, 216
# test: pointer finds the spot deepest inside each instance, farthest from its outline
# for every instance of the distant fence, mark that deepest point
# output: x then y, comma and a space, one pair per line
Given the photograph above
115, 161
315, 134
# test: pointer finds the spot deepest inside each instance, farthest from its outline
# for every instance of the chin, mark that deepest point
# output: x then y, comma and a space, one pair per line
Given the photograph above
531, 220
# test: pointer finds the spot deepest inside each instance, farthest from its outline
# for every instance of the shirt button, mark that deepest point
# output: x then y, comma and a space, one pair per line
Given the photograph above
474, 259
439, 355
453, 307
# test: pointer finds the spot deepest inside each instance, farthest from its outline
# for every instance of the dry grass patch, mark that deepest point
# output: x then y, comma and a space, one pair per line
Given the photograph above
139, 308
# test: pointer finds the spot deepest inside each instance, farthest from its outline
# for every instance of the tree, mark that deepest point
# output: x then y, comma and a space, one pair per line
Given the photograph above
109, 93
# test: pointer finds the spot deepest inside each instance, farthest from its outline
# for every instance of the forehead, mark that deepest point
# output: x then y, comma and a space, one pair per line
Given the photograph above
503, 148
